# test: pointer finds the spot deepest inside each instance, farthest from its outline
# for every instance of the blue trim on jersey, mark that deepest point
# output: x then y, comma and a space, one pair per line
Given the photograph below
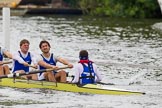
51, 61
1, 55
19, 66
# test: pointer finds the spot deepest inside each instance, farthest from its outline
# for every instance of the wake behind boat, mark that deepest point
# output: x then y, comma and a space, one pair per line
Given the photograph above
69, 87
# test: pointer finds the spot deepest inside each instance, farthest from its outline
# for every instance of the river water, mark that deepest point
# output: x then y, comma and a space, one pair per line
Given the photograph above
125, 50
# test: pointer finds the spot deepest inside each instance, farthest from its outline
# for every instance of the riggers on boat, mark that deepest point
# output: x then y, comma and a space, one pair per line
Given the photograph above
69, 87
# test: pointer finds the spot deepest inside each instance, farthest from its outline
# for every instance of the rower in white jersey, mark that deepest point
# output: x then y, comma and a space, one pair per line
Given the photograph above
50, 58
24, 58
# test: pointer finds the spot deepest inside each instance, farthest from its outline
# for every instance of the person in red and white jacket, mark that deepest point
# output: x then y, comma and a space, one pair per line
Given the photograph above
86, 70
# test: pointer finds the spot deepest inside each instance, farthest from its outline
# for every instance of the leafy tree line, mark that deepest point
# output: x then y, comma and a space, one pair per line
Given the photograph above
118, 8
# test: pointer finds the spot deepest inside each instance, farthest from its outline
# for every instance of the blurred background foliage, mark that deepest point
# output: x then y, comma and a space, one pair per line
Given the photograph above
118, 8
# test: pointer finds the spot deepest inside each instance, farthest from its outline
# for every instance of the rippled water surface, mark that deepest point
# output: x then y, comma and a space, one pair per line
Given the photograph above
126, 50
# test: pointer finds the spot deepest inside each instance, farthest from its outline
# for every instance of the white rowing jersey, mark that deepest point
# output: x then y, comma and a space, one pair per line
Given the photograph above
16, 56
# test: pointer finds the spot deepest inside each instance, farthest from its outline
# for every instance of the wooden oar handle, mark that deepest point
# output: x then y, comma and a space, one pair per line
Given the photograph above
5, 62
63, 67
33, 66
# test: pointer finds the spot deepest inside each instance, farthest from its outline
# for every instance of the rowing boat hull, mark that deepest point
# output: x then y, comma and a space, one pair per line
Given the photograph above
89, 88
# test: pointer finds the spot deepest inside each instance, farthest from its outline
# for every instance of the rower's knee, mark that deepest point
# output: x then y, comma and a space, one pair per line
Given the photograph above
62, 72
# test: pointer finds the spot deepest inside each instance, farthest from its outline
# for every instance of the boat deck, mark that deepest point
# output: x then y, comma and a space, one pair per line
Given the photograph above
69, 87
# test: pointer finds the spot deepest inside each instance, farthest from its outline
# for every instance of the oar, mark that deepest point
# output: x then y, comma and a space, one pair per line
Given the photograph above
32, 66
5, 62
31, 72
105, 83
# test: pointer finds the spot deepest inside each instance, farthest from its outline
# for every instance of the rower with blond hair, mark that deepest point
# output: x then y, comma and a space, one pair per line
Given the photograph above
24, 59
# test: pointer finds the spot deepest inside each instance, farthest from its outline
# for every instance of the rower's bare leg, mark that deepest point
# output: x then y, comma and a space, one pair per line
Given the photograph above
1, 70
61, 76
6, 69
34, 77
22, 71
49, 76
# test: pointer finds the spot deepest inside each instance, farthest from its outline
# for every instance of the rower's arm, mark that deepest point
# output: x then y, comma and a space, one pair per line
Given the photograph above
77, 70
98, 74
65, 62
42, 63
8, 54
16, 56
46, 65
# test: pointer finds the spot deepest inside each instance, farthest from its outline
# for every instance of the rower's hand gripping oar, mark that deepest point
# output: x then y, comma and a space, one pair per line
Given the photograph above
8, 62
29, 65
33, 66
31, 72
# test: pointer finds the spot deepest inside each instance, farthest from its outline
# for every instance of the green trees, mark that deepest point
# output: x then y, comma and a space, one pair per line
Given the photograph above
120, 8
